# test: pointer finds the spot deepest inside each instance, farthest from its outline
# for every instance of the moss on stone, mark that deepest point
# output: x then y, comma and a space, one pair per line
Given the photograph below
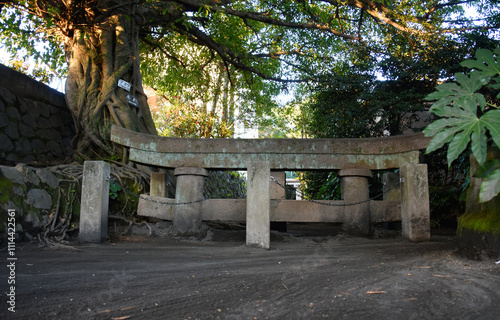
5, 189
486, 219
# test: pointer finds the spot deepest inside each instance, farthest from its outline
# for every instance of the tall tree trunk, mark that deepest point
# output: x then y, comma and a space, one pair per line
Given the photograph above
99, 56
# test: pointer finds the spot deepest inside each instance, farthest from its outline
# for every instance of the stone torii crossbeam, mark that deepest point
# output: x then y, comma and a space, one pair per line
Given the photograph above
355, 158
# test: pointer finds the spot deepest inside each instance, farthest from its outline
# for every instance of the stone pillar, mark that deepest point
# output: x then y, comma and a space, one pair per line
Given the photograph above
415, 213
354, 184
392, 190
258, 205
190, 181
95, 199
159, 184
276, 192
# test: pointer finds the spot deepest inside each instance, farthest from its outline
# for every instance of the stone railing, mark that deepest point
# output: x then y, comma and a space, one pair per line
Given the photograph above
355, 158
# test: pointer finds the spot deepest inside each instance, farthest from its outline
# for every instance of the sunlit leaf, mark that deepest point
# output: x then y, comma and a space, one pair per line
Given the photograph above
490, 187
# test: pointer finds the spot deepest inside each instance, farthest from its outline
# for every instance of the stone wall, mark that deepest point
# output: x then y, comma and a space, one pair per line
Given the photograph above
35, 124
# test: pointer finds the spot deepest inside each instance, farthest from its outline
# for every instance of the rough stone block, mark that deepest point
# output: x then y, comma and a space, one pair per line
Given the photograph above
26, 131
43, 108
7, 96
39, 199
12, 131
51, 135
44, 123
4, 119
415, 213
23, 147
94, 202
159, 184
29, 120
5, 143
47, 177
54, 148
276, 192
258, 204
28, 173
13, 113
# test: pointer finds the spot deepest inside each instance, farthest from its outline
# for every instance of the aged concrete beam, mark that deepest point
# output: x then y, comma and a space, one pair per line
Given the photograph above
282, 154
292, 161
384, 145
281, 210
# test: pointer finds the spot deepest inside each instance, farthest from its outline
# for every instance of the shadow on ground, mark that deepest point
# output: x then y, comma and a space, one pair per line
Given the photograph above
307, 274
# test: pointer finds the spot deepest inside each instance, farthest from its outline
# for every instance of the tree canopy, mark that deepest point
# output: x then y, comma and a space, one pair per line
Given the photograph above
251, 42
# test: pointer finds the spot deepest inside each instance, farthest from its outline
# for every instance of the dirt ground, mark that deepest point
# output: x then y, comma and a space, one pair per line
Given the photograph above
306, 275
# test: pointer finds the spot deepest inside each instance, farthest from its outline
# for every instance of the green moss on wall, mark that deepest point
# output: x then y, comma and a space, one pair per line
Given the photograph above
486, 219
5, 190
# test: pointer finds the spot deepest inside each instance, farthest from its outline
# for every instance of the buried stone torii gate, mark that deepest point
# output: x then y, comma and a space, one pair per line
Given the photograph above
355, 158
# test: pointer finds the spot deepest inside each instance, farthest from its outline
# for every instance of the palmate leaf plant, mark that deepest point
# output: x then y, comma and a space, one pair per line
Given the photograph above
467, 118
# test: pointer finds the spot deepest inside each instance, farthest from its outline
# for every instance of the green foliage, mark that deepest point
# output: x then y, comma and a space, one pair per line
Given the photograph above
468, 117
114, 189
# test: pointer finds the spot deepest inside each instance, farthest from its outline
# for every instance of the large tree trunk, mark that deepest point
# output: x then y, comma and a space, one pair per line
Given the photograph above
99, 56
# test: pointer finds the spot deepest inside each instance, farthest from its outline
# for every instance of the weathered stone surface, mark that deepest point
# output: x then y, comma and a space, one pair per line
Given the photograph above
43, 108
94, 202
13, 113
12, 131
44, 123
392, 190
28, 173
159, 184
354, 184
23, 147
415, 213
4, 119
34, 219
33, 110
29, 121
38, 146
5, 143
47, 177
258, 233
7, 96
28, 159
18, 190
50, 135
12, 174
39, 199
56, 120
54, 148
25, 130
2, 106
67, 147
187, 218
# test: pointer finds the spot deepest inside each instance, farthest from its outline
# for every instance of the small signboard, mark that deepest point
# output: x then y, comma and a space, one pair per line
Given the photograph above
124, 84
132, 100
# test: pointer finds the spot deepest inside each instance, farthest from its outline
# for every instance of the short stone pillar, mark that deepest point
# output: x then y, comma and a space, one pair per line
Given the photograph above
354, 184
392, 191
190, 181
159, 184
95, 199
258, 232
415, 213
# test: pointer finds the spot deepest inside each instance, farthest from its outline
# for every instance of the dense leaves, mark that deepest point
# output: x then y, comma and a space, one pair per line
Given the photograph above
467, 117
254, 41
